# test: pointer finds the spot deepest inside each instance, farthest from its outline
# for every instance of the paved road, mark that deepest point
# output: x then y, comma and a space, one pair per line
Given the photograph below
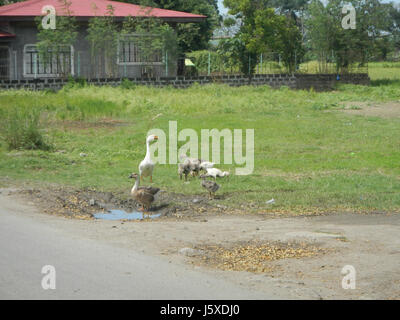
87, 269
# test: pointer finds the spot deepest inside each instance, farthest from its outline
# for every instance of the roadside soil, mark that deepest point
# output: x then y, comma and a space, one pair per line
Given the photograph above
302, 256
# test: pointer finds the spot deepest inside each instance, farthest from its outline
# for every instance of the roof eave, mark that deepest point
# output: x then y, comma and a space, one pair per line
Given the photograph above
86, 18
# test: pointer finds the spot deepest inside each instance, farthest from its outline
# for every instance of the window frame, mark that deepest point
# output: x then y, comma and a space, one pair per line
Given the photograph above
127, 63
46, 75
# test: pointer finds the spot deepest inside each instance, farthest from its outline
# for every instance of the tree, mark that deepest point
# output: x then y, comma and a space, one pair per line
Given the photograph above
153, 37
279, 34
54, 42
191, 36
264, 30
234, 51
345, 46
5, 2
103, 37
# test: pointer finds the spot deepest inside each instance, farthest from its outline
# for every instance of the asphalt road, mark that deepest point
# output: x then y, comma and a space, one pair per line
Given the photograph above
88, 269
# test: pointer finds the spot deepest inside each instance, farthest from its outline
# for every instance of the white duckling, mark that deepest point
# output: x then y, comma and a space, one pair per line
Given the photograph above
147, 165
214, 172
204, 165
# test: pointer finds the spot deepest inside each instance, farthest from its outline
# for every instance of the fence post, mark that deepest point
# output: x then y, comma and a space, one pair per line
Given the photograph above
125, 70
35, 65
249, 64
79, 64
261, 61
295, 61
166, 63
209, 62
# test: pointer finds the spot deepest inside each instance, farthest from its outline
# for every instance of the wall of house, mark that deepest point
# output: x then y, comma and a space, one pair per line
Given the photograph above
318, 82
82, 59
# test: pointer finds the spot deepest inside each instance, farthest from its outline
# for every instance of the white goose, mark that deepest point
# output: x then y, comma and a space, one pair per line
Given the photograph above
147, 165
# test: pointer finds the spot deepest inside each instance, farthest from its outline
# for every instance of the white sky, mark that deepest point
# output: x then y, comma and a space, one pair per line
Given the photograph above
222, 9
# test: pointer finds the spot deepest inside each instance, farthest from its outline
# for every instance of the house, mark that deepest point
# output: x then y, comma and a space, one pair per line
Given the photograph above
20, 60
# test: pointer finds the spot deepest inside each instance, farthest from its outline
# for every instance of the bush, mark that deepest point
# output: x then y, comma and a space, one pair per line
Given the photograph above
20, 129
200, 59
75, 83
127, 84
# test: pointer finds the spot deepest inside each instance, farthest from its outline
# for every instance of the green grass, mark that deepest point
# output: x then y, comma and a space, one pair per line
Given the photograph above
308, 154
384, 72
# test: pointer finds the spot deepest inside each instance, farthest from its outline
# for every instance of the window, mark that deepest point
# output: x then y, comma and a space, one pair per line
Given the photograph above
135, 50
4, 63
54, 64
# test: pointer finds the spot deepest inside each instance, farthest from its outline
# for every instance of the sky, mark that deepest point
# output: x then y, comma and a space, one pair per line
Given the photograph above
222, 9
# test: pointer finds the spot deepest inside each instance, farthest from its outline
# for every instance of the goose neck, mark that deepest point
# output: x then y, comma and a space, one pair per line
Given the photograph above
135, 186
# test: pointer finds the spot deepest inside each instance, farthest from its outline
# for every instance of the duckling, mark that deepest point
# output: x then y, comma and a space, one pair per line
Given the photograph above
192, 163
183, 169
214, 172
210, 186
204, 165
143, 195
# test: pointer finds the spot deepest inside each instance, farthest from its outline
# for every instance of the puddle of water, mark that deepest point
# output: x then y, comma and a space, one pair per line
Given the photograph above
122, 215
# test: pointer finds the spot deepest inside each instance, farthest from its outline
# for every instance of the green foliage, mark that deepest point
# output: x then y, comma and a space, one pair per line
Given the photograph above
51, 42
190, 36
152, 36
21, 129
75, 83
127, 84
237, 53
345, 47
306, 152
278, 34
103, 39
264, 30
201, 58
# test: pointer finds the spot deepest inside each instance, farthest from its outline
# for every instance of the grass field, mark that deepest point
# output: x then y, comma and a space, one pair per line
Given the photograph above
309, 154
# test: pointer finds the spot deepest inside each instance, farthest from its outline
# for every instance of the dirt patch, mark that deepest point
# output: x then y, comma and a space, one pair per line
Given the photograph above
255, 257
382, 110
82, 204
105, 123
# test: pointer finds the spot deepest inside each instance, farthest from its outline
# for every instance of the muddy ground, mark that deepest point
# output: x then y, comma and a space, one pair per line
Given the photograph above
300, 257
82, 204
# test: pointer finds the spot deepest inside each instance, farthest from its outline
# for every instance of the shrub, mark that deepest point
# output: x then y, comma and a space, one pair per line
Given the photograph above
127, 84
75, 83
20, 129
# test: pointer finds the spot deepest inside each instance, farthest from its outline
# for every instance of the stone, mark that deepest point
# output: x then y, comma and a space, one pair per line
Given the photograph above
190, 252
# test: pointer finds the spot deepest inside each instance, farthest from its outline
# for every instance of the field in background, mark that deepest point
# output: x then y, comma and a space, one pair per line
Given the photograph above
309, 154
384, 71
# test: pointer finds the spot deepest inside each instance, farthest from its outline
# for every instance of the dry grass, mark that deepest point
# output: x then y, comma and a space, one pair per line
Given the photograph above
254, 256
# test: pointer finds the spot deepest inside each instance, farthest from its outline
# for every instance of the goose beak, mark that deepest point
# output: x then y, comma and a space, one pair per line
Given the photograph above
155, 137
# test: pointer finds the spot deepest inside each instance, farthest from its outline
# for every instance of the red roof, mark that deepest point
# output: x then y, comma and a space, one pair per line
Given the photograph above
6, 35
91, 8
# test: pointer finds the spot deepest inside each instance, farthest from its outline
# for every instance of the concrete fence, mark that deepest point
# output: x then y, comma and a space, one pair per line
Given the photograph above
319, 82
